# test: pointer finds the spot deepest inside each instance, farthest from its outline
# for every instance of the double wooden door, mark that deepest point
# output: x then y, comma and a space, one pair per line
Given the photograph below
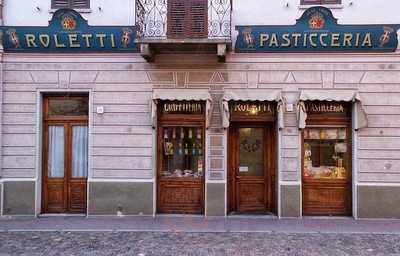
65, 163
251, 176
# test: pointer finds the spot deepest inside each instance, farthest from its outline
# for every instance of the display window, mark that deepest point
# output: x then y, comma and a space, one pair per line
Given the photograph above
183, 153
326, 159
181, 156
326, 154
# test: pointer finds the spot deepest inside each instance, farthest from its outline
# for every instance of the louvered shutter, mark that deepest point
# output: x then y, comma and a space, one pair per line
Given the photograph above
59, 4
80, 3
70, 4
177, 13
187, 19
197, 24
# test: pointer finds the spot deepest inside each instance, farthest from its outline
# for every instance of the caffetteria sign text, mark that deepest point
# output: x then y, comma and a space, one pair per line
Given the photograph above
68, 32
317, 30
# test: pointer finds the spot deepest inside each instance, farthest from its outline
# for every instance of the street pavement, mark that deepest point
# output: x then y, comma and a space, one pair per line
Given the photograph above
172, 235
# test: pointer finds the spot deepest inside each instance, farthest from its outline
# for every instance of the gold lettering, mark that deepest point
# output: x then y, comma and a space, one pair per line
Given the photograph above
73, 38
274, 40
30, 40
335, 40
112, 41
87, 38
58, 45
367, 40
101, 39
44, 40
347, 39
313, 37
286, 39
296, 38
357, 39
322, 39
263, 38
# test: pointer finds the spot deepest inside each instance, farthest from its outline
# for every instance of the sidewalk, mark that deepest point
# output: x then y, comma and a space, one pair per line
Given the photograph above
165, 223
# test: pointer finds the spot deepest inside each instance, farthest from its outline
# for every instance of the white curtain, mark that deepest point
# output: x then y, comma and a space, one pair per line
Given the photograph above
55, 164
79, 151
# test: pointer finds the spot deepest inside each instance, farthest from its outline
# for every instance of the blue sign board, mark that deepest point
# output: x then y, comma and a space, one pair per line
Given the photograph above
317, 31
68, 32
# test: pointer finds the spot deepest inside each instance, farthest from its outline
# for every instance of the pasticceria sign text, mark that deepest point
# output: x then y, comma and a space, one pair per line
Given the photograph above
68, 32
317, 30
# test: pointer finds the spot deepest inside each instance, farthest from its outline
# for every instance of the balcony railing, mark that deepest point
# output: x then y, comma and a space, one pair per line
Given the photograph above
151, 19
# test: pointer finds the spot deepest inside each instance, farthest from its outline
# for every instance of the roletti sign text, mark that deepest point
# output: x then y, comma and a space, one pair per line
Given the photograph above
68, 32
317, 30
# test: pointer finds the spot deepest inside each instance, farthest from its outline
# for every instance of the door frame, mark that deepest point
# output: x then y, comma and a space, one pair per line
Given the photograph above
42, 147
271, 176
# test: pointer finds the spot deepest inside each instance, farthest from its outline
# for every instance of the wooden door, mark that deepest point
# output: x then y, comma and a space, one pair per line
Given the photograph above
65, 159
251, 169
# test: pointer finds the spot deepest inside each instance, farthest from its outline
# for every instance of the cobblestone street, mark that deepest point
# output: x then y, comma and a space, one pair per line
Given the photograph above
180, 243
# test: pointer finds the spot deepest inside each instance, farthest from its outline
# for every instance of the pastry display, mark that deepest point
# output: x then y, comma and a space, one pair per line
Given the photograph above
324, 153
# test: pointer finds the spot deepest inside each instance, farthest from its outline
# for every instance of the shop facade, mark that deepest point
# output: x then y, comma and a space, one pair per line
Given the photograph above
272, 133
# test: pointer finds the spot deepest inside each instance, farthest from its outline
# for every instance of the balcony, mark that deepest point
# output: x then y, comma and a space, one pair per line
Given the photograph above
183, 26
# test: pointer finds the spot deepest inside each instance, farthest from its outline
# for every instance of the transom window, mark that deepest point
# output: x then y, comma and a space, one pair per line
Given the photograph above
313, 2
55, 4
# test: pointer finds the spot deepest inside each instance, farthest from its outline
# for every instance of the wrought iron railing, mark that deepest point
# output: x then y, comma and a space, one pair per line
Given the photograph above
151, 19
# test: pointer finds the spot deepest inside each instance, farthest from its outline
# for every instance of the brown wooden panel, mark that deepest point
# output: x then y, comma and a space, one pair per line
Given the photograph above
326, 199
77, 195
176, 196
251, 195
55, 196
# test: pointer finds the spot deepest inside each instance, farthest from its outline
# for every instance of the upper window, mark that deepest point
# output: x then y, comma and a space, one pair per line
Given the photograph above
187, 18
55, 4
320, 2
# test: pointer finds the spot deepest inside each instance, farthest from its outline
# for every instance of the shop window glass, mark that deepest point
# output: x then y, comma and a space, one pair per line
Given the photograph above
326, 153
183, 152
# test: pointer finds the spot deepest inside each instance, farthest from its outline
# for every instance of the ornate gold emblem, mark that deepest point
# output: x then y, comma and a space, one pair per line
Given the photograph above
68, 23
317, 21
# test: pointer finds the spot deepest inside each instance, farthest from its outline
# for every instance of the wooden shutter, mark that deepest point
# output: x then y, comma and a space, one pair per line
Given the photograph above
70, 4
197, 22
176, 18
187, 19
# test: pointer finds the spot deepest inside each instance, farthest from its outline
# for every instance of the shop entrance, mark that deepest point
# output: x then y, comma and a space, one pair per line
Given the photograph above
251, 168
65, 154
181, 162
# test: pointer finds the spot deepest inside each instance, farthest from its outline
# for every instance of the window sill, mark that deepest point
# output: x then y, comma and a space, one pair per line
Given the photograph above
329, 6
83, 10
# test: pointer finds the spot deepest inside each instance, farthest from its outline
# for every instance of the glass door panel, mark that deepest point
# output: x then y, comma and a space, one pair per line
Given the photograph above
251, 152
79, 151
55, 162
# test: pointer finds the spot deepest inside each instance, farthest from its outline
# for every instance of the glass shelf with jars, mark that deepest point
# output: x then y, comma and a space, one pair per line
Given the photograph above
183, 152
